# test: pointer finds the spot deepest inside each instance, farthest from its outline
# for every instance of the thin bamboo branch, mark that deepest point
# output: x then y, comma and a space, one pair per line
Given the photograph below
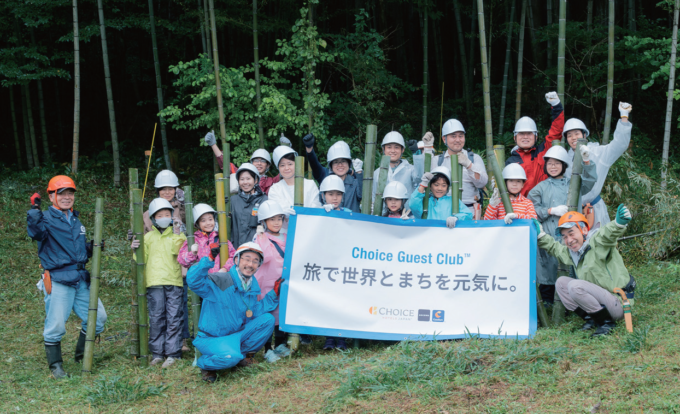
669, 97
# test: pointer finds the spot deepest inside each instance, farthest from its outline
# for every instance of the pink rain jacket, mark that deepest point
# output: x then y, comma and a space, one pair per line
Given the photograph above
187, 258
272, 266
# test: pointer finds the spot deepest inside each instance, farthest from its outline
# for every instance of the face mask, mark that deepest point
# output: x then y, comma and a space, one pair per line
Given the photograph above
164, 222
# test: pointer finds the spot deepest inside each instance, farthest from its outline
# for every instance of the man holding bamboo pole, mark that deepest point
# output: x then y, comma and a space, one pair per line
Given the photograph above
63, 251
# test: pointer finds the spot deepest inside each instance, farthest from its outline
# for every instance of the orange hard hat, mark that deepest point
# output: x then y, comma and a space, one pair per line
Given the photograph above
60, 182
570, 219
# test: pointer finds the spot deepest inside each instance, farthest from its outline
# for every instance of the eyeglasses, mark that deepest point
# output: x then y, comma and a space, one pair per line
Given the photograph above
249, 261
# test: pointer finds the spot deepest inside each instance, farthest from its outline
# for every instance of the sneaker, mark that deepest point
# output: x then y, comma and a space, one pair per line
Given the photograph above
208, 376
305, 339
156, 361
271, 356
330, 344
340, 344
168, 362
282, 351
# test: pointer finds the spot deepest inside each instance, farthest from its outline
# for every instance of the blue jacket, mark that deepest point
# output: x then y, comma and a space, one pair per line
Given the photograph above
437, 209
353, 183
224, 301
62, 246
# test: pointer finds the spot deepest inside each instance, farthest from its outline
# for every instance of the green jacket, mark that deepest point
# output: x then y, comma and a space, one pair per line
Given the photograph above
598, 261
161, 251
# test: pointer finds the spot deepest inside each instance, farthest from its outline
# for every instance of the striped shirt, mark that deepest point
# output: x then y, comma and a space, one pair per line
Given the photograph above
520, 205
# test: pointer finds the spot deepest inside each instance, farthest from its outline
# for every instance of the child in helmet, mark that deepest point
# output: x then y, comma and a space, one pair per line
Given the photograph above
602, 156
283, 191
515, 180
395, 197
550, 203
205, 222
63, 251
332, 193
164, 284
439, 204
339, 163
598, 266
400, 170
244, 205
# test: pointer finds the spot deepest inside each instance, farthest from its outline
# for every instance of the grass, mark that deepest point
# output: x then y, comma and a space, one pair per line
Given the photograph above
560, 370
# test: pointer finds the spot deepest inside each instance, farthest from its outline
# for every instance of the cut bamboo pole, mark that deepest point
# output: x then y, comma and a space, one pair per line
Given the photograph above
143, 314
134, 337
499, 150
455, 185
382, 182
561, 42
369, 166
226, 172
256, 64
298, 201
222, 218
426, 199
94, 286
610, 75
195, 301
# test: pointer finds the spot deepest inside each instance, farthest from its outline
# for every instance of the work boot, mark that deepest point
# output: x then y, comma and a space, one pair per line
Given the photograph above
248, 360
54, 360
340, 344
604, 322
590, 324
80, 347
208, 376
330, 344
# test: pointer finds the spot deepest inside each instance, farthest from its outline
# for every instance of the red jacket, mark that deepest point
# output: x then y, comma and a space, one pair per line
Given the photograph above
532, 159
265, 182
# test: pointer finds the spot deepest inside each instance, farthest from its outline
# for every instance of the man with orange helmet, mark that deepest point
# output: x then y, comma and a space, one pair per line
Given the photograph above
598, 266
63, 251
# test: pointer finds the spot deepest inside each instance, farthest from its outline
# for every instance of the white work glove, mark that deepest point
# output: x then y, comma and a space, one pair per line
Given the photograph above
405, 213
552, 98
464, 160
259, 231
585, 153
210, 138
328, 207
495, 199
290, 211
427, 177
285, 141
451, 222
428, 139
509, 218
624, 109
135, 244
194, 248
358, 165
559, 211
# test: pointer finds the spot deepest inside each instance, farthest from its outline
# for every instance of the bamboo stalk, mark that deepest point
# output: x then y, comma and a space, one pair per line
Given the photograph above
499, 151
549, 23
382, 182
464, 65
610, 75
195, 301
455, 185
222, 219
14, 125
669, 97
31, 126
218, 85
41, 107
258, 94
425, 70
299, 201
506, 69
206, 23
226, 172
201, 24
94, 286
369, 166
159, 86
520, 61
76, 91
426, 199
143, 313
27, 136
561, 41
134, 337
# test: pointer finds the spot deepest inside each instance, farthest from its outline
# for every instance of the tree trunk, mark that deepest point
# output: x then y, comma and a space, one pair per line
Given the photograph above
560, 50
669, 102
532, 34
520, 61
425, 86
60, 124
631, 16
41, 107
14, 126
27, 135
159, 86
218, 85
589, 22
510, 27
473, 48
438, 49
463, 60
310, 73
109, 97
260, 130
610, 75
206, 25
202, 25
76, 89
550, 22
31, 126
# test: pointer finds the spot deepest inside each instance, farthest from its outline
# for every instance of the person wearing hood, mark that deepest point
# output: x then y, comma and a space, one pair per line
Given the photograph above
439, 204
233, 324
339, 163
603, 156
205, 222
550, 203
528, 152
598, 266
245, 203
400, 170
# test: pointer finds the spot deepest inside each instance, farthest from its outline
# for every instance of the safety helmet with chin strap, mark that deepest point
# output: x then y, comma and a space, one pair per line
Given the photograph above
157, 205
339, 150
558, 153
199, 210
393, 138
525, 124
267, 210
281, 151
166, 178
264, 154
246, 166
451, 126
330, 183
443, 171
575, 123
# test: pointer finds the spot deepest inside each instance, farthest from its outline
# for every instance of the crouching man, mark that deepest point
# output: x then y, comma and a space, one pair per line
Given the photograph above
233, 325
598, 266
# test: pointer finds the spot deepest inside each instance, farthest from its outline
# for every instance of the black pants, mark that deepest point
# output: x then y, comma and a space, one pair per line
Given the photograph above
280, 337
547, 293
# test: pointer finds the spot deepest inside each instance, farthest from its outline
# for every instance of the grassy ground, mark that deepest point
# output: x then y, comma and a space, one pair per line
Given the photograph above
560, 370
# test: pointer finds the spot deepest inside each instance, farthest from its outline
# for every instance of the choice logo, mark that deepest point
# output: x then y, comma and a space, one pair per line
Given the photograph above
424, 315
373, 310
438, 315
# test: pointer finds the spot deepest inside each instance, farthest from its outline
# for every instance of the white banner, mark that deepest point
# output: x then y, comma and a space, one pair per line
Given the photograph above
357, 276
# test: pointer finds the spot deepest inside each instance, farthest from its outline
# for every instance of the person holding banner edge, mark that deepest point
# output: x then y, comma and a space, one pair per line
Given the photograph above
439, 181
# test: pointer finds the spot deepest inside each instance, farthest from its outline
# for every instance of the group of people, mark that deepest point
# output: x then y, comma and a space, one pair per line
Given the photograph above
239, 314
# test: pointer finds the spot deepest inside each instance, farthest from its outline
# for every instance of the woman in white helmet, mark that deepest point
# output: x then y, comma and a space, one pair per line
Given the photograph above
400, 169
439, 204
339, 163
283, 191
603, 156
515, 179
550, 203
205, 223
245, 204
395, 198
262, 161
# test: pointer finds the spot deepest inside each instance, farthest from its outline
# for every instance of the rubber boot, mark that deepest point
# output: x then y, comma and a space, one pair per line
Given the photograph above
590, 324
54, 360
80, 347
604, 322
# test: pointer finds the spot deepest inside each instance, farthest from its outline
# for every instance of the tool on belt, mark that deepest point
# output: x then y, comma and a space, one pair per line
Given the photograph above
626, 309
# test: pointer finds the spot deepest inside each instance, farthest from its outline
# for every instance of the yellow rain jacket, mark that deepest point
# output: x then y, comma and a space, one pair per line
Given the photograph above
160, 251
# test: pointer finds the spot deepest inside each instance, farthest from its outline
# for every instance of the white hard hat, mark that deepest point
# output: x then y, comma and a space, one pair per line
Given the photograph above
166, 178
246, 166
514, 171
442, 171
339, 150
201, 209
159, 204
557, 153
395, 189
575, 123
269, 209
525, 124
451, 126
261, 153
393, 138
248, 247
280, 151
332, 182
